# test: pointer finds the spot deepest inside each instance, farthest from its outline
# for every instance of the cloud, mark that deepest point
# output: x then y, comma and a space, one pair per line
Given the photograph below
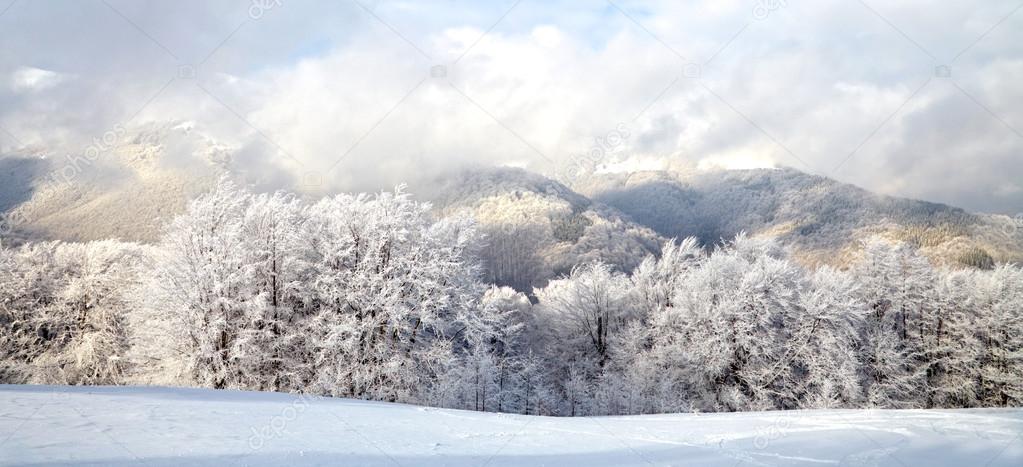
363, 96
29, 79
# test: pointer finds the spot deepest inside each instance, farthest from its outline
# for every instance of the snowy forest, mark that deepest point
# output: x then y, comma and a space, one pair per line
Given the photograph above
375, 297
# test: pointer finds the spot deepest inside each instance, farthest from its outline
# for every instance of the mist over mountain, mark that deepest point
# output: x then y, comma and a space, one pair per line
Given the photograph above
536, 228
126, 188
819, 217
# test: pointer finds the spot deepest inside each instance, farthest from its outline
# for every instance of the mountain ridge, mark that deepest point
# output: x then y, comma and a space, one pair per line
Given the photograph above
138, 184
817, 214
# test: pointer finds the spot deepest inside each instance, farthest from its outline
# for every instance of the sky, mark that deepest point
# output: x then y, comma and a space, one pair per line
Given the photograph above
908, 98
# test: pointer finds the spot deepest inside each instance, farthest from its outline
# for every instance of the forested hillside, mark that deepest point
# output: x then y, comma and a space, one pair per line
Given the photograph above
127, 188
377, 297
535, 228
498, 289
819, 217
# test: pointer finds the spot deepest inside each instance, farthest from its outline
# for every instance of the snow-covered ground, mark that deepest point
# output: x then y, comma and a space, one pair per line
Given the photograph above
42, 425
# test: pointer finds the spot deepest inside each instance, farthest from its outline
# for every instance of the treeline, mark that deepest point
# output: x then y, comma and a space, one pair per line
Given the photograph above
371, 297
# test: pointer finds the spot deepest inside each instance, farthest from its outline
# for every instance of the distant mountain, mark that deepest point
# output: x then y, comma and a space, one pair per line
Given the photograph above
537, 228
820, 218
125, 191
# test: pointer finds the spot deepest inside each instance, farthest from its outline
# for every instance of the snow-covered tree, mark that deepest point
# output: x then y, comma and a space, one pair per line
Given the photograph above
198, 284
732, 319
587, 308
353, 296
897, 288
27, 293
998, 299
824, 367
388, 284
536, 393
63, 312
656, 279
951, 342
486, 375
371, 296
270, 350
512, 254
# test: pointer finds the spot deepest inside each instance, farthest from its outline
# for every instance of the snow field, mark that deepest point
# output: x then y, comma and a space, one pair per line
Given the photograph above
56, 425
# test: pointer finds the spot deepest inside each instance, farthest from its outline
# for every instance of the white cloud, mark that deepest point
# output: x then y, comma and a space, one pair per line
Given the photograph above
30, 79
809, 85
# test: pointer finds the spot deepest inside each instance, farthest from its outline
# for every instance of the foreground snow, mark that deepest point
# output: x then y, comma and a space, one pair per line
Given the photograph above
171, 426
